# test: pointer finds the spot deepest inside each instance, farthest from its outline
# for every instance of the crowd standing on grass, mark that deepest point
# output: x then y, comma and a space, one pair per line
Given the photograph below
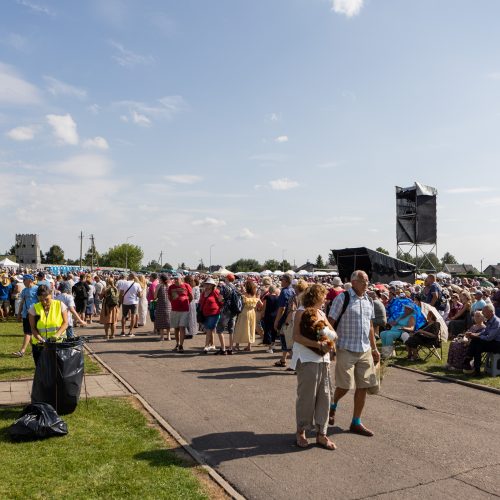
313, 321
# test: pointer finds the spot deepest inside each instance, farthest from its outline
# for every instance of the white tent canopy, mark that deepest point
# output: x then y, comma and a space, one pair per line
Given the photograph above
442, 275
222, 271
8, 263
267, 272
303, 272
278, 273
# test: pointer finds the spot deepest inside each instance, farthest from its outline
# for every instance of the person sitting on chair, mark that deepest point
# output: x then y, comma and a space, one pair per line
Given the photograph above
429, 335
486, 341
404, 323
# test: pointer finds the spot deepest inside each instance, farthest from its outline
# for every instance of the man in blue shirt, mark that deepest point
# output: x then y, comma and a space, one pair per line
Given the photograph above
357, 351
285, 302
28, 298
488, 340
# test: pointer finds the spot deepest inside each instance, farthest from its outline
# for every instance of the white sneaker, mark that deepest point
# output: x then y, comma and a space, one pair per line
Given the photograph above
270, 351
205, 349
131, 335
211, 348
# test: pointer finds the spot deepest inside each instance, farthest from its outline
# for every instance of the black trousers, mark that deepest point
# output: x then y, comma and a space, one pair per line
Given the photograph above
477, 347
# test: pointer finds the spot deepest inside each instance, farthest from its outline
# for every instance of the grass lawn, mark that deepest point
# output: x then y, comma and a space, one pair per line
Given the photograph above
433, 365
111, 451
12, 368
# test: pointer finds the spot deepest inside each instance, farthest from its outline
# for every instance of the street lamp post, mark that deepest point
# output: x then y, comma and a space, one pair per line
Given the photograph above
283, 259
210, 258
126, 252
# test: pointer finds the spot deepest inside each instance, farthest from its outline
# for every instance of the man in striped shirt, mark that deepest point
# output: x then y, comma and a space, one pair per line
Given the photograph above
357, 352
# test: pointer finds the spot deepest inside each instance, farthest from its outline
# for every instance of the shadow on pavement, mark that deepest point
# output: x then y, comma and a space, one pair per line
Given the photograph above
225, 446
233, 372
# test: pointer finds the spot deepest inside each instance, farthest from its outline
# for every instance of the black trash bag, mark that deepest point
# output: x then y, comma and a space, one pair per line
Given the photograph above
59, 375
38, 421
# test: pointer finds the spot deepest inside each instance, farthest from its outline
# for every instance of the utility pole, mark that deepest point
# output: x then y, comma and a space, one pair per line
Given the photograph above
81, 247
161, 259
92, 251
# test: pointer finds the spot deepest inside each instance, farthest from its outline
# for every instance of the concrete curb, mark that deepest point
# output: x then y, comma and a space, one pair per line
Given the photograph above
449, 379
215, 476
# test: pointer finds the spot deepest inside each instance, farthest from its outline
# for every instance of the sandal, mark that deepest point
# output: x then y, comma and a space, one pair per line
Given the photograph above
301, 441
327, 444
280, 363
18, 354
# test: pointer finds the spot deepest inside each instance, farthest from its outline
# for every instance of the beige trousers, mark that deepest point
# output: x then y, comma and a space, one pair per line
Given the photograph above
313, 396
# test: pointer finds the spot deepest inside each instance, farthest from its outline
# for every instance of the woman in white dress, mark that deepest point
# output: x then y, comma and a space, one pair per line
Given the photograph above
192, 328
143, 301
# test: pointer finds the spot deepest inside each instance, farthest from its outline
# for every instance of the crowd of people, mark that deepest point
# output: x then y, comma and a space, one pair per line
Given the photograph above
311, 320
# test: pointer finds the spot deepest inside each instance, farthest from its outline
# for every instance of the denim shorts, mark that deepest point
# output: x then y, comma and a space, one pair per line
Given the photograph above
226, 323
211, 322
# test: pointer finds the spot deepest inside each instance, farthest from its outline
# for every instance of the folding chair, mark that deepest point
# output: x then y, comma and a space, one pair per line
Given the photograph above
427, 351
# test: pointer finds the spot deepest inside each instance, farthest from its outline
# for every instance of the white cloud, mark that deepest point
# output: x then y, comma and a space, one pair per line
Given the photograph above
465, 190
246, 234
281, 139
34, 7
142, 113
183, 178
348, 8
494, 75
489, 202
14, 90
328, 164
64, 128
94, 109
97, 142
57, 87
141, 120
283, 184
127, 58
274, 117
82, 166
209, 221
22, 133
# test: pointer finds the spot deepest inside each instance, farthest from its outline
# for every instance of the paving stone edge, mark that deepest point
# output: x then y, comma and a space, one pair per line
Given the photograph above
227, 487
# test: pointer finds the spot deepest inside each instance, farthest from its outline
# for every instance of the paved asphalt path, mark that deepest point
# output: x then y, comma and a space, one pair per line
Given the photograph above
434, 439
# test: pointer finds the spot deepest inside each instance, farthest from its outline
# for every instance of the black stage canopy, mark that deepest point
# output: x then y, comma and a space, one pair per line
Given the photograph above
380, 267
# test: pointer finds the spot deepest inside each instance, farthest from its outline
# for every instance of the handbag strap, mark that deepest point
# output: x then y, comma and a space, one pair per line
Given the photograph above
133, 283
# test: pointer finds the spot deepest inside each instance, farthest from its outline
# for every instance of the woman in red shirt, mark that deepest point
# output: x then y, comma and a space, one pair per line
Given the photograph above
210, 308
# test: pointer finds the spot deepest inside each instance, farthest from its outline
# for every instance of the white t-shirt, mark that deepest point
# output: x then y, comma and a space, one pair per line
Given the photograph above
132, 295
68, 301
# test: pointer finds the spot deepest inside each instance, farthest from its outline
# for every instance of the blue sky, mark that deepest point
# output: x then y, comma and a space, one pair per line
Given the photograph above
265, 128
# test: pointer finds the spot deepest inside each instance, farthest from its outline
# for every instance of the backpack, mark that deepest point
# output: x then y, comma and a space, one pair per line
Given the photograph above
112, 297
81, 291
236, 304
347, 299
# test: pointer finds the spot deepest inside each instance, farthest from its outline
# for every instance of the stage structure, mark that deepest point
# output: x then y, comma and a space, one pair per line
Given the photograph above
416, 222
380, 267
28, 250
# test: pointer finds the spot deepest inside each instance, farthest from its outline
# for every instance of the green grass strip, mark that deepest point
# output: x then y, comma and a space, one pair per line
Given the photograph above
433, 365
110, 452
